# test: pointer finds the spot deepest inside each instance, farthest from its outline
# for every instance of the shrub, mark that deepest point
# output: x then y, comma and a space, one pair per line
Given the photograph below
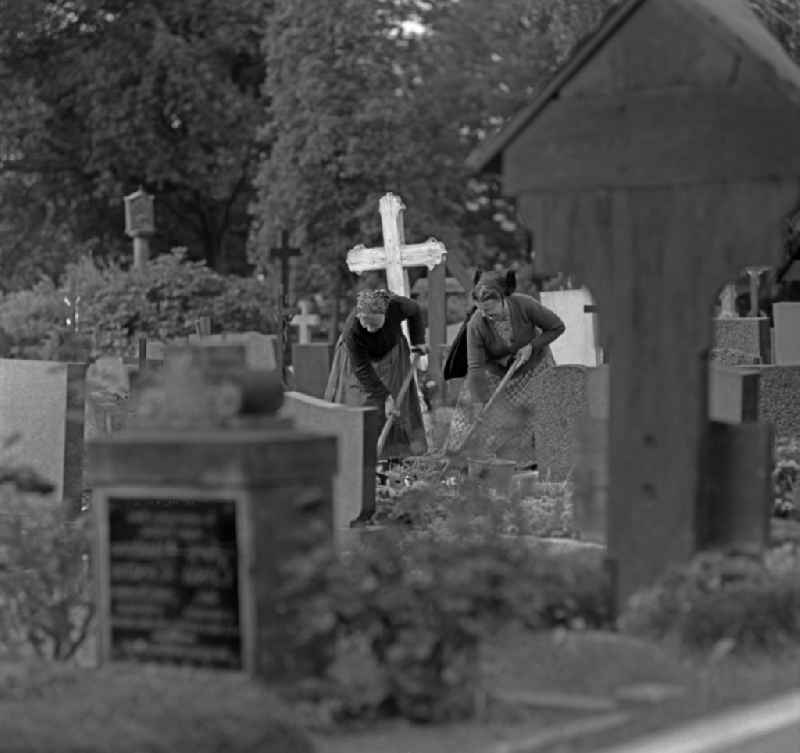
395, 626
117, 306
32, 321
46, 601
719, 599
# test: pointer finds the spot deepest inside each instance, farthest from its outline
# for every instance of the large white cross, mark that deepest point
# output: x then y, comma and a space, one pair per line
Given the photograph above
395, 256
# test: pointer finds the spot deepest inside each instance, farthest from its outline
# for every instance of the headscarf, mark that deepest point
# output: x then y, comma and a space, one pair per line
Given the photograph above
490, 285
372, 302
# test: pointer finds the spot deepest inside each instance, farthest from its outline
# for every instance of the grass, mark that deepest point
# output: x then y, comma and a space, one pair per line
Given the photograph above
127, 709
591, 663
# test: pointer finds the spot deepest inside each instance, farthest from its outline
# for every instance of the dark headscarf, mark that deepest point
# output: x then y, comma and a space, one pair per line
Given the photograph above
372, 302
493, 285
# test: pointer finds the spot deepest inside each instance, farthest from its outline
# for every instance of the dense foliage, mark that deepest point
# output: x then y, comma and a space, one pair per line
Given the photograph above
116, 306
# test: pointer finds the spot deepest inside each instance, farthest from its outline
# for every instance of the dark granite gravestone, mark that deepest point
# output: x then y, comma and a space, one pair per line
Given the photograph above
311, 364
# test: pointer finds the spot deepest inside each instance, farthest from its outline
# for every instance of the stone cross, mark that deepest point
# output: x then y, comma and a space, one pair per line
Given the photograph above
395, 256
304, 321
727, 301
754, 273
72, 299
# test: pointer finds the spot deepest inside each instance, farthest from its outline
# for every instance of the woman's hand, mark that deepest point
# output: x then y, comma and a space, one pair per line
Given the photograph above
524, 353
389, 407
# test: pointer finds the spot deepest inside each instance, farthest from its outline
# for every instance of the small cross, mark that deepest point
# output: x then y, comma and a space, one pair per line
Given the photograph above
72, 299
284, 253
304, 321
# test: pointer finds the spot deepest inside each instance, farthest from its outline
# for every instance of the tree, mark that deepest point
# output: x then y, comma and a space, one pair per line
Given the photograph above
101, 96
358, 107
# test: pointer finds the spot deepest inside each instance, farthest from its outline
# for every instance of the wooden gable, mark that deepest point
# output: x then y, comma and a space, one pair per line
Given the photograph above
666, 92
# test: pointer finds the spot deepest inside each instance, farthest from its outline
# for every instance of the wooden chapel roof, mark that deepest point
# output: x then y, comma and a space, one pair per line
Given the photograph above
731, 22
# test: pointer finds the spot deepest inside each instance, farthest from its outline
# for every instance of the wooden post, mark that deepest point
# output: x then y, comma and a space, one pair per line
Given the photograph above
437, 320
139, 225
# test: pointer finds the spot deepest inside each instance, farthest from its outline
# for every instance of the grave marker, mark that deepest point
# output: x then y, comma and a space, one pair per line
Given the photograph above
195, 526
139, 225
44, 403
578, 344
284, 253
787, 333
395, 257
172, 588
305, 321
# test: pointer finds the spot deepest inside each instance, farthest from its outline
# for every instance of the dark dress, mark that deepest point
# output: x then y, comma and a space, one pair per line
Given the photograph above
369, 366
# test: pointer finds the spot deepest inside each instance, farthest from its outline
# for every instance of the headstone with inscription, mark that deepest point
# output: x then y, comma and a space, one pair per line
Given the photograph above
198, 512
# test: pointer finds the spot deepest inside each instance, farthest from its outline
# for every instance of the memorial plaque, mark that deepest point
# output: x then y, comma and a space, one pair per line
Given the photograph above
172, 584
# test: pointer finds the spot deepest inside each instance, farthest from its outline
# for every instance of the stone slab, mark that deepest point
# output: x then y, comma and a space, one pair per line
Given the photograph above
261, 351
356, 431
311, 365
579, 343
560, 401
44, 403
779, 398
745, 334
733, 394
786, 316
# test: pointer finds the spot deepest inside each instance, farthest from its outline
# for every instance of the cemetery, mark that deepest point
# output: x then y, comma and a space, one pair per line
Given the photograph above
201, 549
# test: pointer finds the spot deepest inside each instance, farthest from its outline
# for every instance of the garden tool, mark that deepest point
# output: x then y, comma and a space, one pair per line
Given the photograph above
515, 364
387, 427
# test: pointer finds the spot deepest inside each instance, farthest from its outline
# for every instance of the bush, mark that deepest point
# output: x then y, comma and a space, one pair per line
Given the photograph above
118, 306
32, 321
722, 599
46, 600
395, 627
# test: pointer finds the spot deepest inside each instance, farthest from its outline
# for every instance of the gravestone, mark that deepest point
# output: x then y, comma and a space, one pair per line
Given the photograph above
578, 344
196, 525
746, 334
735, 509
683, 109
311, 363
107, 392
560, 402
778, 402
787, 333
305, 322
356, 431
44, 403
261, 351
733, 394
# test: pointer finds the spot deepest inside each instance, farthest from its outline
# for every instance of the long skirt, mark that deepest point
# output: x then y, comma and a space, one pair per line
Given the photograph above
407, 435
506, 429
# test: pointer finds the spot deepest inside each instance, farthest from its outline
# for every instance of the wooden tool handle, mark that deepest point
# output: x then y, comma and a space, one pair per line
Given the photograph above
387, 427
511, 371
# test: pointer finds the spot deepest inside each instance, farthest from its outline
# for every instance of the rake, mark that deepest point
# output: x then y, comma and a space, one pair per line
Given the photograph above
515, 364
